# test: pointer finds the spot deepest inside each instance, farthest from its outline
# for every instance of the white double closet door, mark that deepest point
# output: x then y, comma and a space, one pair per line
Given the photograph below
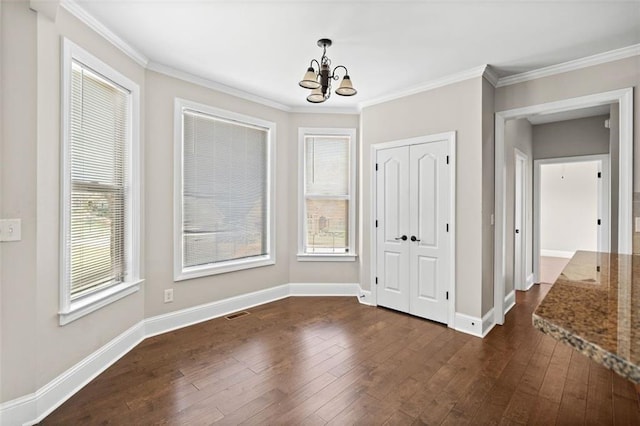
413, 238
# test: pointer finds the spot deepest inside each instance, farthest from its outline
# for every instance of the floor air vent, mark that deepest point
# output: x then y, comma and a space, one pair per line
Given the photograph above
237, 315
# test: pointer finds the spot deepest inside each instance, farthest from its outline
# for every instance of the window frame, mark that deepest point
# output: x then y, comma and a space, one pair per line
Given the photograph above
302, 256
181, 273
70, 310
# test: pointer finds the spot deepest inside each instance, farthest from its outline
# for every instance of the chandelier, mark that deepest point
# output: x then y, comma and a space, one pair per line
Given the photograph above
319, 81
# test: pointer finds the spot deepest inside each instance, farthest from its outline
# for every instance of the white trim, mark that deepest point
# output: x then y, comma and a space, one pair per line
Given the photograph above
180, 273
474, 326
604, 206
491, 76
425, 87
324, 110
349, 132
72, 310
625, 99
530, 281
34, 407
589, 61
90, 21
451, 137
366, 298
557, 253
312, 257
185, 317
509, 301
210, 84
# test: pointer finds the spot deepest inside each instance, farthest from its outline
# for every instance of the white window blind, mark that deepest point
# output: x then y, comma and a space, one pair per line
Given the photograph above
327, 194
96, 240
225, 190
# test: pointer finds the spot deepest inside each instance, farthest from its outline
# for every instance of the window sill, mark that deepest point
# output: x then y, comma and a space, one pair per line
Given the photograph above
307, 257
93, 302
224, 267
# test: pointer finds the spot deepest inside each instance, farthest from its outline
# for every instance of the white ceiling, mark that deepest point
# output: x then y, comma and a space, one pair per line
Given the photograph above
263, 47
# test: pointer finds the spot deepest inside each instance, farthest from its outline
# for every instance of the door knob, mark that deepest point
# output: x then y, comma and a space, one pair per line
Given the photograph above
413, 238
403, 238
517, 231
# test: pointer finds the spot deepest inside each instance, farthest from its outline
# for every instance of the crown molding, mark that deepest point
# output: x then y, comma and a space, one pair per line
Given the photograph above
324, 110
490, 75
210, 84
434, 84
79, 12
589, 61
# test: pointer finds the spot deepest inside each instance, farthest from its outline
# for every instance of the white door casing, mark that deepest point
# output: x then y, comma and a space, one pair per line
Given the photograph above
414, 236
520, 228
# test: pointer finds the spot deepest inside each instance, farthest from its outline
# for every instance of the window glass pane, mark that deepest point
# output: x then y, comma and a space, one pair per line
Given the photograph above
327, 226
327, 165
225, 190
99, 120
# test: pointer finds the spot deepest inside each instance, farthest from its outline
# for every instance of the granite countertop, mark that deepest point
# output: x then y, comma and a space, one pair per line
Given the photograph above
594, 306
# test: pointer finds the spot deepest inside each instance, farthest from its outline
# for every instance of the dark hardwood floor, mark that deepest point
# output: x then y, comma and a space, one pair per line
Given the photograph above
330, 360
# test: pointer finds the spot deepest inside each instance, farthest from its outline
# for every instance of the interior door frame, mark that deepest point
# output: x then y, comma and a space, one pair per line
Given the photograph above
520, 156
624, 97
604, 202
451, 138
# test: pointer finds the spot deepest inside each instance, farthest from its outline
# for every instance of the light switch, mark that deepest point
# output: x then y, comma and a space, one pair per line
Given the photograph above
637, 224
10, 230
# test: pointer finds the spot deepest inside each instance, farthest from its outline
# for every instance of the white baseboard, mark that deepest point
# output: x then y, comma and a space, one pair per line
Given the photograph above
530, 282
186, 317
488, 322
366, 298
509, 301
32, 408
475, 326
557, 253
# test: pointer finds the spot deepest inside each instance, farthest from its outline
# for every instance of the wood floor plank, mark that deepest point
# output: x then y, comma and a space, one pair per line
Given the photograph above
331, 360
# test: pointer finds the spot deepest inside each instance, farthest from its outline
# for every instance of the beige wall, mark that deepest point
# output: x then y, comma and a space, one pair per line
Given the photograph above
488, 194
600, 78
314, 272
518, 135
18, 349
455, 107
583, 136
161, 91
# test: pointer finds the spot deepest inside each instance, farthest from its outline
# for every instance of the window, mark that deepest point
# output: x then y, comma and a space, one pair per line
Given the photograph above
327, 186
100, 213
224, 179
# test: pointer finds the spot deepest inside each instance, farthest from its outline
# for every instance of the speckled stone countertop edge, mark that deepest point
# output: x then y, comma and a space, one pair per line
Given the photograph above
621, 366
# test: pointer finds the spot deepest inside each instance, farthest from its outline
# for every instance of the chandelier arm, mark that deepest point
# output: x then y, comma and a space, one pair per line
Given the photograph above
335, 76
317, 63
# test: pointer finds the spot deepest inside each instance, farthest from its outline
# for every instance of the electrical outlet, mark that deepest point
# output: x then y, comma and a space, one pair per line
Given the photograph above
168, 295
10, 230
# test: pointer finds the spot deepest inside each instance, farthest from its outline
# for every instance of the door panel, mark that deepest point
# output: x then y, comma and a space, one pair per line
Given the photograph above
392, 199
429, 206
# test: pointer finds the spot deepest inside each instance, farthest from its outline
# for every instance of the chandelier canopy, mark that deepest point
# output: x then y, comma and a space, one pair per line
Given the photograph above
319, 80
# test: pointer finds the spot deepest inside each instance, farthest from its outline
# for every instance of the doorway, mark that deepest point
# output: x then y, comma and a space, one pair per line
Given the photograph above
571, 209
414, 204
624, 99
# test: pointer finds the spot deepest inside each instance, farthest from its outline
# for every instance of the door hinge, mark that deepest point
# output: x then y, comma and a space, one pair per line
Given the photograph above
599, 222
376, 280
597, 269
599, 175
447, 159
447, 295
376, 223
447, 227
376, 167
